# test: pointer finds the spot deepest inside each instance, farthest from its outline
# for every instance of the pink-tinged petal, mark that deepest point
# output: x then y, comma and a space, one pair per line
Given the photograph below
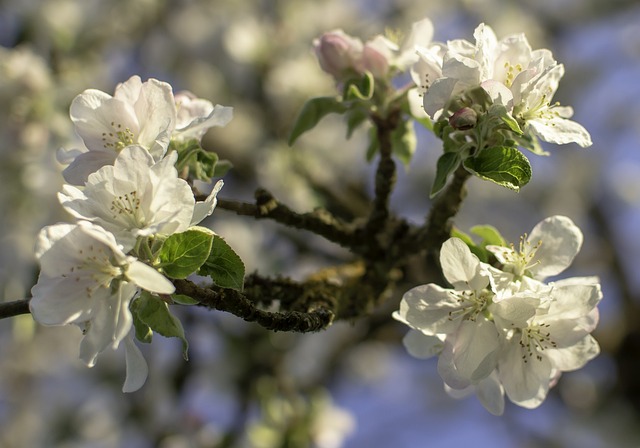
491, 394
475, 349
525, 378
148, 278
422, 346
575, 356
137, 368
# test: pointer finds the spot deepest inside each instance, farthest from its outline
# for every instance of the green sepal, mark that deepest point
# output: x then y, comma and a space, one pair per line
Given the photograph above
197, 162
355, 118
359, 88
221, 168
312, 112
503, 165
154, 312
447, 164
505, 117
224, 266
183, 253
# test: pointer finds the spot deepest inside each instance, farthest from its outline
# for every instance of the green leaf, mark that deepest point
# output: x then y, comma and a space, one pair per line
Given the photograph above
183, 253
183, 300
221, 168
403, 141
154, 312
503, 165
312, 112
355, 118
447, 164
224, 266
143, 331
489, 234
359, 88
479, 252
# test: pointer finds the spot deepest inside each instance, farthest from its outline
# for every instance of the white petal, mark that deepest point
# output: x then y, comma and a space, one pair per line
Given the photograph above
137, 369
98, 332
561, 241
86, 163
60, 301
491, 394
460, 267
447, 368
423, 346
438, 95
499, 93
560, 131
148, 278
156, 110
475, 349
525, 378
575, 356
203, 209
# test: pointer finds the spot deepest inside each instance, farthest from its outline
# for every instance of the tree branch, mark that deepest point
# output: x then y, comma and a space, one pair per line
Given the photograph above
320, 221
15, 308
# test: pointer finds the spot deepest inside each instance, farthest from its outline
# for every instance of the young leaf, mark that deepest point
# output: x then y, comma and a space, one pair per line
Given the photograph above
224, 266
183, 300
143, 331
502, 165
447, 164
312, 112
183, 253
403, 140
489, 234
355, 118
154, 312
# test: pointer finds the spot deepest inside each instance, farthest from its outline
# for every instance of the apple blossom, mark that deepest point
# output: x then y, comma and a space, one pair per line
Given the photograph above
137, 114
136, 197
196, 115
87, 280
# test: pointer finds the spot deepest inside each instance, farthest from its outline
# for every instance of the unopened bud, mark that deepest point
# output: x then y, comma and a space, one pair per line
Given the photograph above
339, 53
464, 119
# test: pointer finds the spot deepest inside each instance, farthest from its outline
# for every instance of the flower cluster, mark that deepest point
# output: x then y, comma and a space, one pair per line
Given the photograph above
511, 74
127, 199
342, 55
505, 330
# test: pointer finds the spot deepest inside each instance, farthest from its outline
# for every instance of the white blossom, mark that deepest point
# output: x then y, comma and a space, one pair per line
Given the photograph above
548, 250
195, 116
137, 114
136, 197
86, 279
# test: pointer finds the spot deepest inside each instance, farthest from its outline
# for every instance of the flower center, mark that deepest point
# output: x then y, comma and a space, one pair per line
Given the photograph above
522, 259
471, 304
96, 269
512, 72
118, 138
536, 339
127, 208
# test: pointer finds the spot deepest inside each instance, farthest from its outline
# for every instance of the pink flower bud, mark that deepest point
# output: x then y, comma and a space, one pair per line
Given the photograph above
339, 53
377, 55
464, 119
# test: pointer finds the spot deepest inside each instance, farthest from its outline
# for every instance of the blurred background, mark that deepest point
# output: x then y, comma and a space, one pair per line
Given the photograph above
353, 385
